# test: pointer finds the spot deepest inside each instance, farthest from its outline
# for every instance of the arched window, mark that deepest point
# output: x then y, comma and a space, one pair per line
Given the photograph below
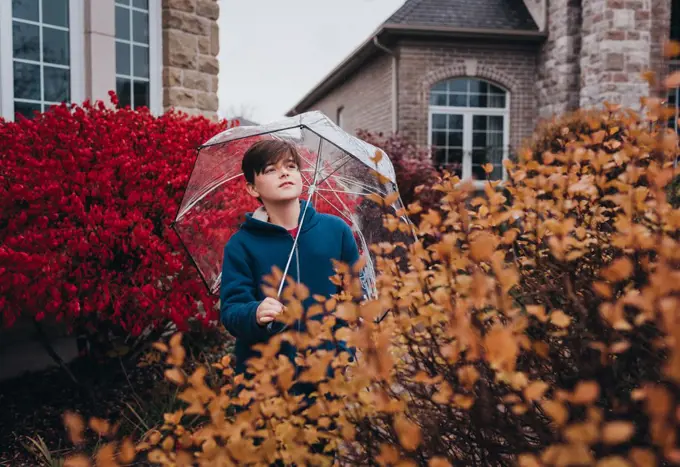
469, 123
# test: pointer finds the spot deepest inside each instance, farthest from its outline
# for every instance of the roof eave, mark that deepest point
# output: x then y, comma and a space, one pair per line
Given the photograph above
394, 31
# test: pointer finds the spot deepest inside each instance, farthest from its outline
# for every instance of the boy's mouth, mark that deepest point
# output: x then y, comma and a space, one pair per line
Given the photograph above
285, 184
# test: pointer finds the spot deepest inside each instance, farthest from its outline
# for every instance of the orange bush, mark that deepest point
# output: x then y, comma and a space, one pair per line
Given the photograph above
539, 328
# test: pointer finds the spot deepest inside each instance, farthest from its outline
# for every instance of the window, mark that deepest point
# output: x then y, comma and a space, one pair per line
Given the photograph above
469, 122
41, 60
338, 116
138, 53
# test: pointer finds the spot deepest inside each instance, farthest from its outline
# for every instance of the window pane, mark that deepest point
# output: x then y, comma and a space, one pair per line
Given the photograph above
55, 12
26, 40
439, 138
478, 86
440, 156
479, 139
493, 89
458, 100
140, 27
26, 109
57, 84
141, 62
124, 92
123, 2
496, 123
458, 85
55, 46
455, 138
141, 4
437, 98
122, 58
455, 122
440, 86
26, 81
478, 100
479, 122
25, 9
438, 121
497, 101
122, 23
141, 94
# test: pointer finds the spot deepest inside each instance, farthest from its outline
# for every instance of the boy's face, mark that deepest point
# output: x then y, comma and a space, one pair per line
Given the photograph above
280, 181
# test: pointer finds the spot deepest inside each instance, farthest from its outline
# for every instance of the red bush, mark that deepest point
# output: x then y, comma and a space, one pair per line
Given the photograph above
87, 195
413, 167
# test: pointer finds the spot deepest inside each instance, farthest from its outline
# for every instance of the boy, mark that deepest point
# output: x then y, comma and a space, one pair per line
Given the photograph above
272, 172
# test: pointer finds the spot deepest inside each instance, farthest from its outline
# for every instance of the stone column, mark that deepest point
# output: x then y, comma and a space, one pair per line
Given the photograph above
558, 71
616, 48
100, 46
190, 48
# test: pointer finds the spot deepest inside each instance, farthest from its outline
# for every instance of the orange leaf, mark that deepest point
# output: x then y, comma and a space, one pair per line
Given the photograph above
438, 462
105, 456
642, 457
408, 433
378, 156
620, 269
585, 392
174, 375
127, 451
488, 168
671, 49
535, 390
617, 432
613, 461
673, 80
556, 410
560, 319
75, 426
100, 426
482, 247
79, 460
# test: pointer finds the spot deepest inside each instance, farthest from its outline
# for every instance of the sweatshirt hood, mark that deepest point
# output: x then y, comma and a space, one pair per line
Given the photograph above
259, 220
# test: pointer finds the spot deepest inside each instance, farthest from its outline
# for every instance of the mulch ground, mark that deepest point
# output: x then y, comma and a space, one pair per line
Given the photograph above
32, 405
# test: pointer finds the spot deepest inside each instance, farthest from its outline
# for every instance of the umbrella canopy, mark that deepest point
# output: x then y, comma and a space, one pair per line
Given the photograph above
342, 175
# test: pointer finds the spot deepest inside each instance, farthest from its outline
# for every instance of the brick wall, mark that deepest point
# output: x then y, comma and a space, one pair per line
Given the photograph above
512, 67
190, 48
366, 98
559, 76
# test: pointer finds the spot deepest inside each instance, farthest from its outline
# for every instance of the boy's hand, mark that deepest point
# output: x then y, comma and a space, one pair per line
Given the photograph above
268, 310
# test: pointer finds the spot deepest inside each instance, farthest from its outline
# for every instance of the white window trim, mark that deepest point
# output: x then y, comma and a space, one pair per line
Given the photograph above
155, 46
155, 57
468, 113
76, 51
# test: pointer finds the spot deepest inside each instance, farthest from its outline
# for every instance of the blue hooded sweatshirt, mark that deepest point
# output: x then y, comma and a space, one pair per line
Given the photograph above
258, 246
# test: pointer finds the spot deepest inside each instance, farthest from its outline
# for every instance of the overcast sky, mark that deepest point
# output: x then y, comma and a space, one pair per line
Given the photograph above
272, 52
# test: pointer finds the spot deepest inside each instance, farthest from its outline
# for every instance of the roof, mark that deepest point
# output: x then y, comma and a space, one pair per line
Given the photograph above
480, 14
506, 20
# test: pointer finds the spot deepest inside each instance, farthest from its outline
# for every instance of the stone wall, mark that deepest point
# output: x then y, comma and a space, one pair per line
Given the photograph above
511, 66
559, 75
616, 48
190, 48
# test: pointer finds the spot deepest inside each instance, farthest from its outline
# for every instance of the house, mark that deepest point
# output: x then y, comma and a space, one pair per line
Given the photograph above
154, 53
472, 77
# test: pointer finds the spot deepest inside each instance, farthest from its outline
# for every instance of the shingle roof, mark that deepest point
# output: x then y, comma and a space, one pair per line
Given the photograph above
479, 14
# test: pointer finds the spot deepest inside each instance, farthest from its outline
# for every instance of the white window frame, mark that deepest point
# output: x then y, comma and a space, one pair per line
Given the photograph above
468, 113
76, 51
155, 55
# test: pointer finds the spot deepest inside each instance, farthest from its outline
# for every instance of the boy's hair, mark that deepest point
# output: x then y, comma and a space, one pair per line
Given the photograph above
266, 152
